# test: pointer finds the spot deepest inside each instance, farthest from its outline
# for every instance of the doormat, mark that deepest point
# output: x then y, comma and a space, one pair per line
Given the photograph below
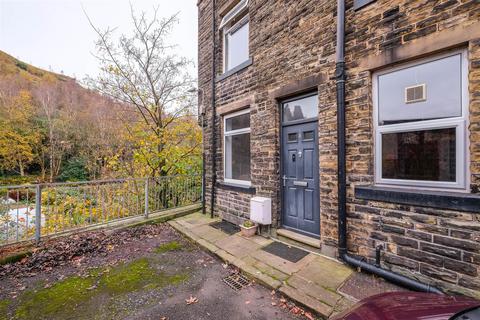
283, 251
227, 227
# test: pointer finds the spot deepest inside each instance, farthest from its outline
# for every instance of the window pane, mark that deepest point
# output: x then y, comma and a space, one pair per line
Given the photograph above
237, 157
420, 155
443, 91
308, 135
301, 109
239, 122
237, 47
292, 137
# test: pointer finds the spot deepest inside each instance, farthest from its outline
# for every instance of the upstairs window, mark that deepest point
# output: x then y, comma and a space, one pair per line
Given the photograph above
237, 148
420, 123
235, 27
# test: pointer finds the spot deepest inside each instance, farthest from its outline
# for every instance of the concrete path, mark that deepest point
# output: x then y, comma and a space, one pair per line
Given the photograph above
314, 281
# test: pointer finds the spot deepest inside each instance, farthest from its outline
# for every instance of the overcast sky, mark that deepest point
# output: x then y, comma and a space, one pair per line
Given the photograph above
55, 34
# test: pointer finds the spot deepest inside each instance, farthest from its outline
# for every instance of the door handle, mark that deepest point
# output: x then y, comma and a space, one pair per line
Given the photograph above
285, 178
300, 183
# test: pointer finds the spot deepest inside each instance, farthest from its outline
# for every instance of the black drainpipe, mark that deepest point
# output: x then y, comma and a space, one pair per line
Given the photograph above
214, 113
342, 182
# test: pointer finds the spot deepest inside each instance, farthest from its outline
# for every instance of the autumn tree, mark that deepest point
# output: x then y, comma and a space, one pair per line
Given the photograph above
56, 121
141, 70
18, 134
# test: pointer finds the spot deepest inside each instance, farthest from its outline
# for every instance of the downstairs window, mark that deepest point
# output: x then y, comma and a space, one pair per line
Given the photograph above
237, 148
420, 123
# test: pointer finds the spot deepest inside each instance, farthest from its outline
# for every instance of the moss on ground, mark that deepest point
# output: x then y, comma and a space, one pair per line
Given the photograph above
78, 294
169, 246
136, 275
14, 257
4, 308
61, 298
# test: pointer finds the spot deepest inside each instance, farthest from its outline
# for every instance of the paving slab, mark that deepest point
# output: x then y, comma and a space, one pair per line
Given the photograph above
323, 309
313, 281
237, 245
270, 271
325, 272
208, 233
314, 290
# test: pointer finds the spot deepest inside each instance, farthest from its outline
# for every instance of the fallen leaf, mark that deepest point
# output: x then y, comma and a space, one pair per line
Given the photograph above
309, 316
295, 310
191, 300
274, 303
225, 265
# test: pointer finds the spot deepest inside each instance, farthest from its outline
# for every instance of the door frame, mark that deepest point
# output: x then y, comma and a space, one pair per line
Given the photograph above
281, 102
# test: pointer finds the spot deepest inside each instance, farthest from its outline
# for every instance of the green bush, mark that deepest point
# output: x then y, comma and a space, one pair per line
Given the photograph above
74, 170
22, 65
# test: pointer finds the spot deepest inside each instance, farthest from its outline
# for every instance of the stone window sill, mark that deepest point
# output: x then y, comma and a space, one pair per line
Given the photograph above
238, 68
236, 187
433, 199
359, 4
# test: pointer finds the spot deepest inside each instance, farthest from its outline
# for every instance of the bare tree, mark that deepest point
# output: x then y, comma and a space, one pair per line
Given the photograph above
140, 69
50, 95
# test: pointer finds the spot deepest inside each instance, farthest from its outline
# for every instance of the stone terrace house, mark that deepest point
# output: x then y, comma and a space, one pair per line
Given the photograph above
412, 127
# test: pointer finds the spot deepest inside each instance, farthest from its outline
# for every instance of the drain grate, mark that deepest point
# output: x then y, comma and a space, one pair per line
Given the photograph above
236, 281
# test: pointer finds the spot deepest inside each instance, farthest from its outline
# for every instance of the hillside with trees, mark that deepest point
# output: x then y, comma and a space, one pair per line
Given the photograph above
54, 129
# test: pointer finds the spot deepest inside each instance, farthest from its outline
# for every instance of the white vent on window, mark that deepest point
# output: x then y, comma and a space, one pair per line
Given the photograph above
416, 93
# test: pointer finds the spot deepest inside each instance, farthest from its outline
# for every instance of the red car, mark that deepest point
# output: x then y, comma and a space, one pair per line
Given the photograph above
413, 306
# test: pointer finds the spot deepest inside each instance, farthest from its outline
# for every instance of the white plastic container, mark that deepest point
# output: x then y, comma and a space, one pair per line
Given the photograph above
261, 210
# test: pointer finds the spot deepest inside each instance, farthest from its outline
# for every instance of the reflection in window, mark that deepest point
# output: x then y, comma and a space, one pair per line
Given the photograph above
301, 109
237, 148
236, 46
308, 135
237, 156
423, 143
292, 137
419, 155
239, 122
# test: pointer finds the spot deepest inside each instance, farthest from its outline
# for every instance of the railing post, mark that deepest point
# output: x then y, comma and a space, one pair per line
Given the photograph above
38, 212
146, 198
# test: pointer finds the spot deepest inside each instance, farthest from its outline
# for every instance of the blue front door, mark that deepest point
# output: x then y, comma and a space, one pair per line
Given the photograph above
300, 178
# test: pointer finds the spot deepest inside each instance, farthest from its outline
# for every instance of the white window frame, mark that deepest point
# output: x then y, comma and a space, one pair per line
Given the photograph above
238, 10
459, 123
229, 134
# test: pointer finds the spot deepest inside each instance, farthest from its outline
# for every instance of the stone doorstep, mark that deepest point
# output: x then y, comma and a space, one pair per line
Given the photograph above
301, 281
299, 239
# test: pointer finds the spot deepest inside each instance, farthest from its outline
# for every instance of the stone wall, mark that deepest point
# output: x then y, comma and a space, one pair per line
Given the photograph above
292, 44
441, 247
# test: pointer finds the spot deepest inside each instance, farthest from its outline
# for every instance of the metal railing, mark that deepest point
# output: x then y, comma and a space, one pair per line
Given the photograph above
29, 212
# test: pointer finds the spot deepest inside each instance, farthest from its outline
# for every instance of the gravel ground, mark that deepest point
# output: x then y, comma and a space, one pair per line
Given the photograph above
148, 272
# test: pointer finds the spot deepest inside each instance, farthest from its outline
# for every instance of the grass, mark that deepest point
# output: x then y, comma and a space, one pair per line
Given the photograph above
80, 295
61, 298
169, 246
135, 276
3, 309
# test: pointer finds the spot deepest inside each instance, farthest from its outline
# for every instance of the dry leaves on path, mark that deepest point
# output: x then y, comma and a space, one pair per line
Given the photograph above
191, 300
73, 250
